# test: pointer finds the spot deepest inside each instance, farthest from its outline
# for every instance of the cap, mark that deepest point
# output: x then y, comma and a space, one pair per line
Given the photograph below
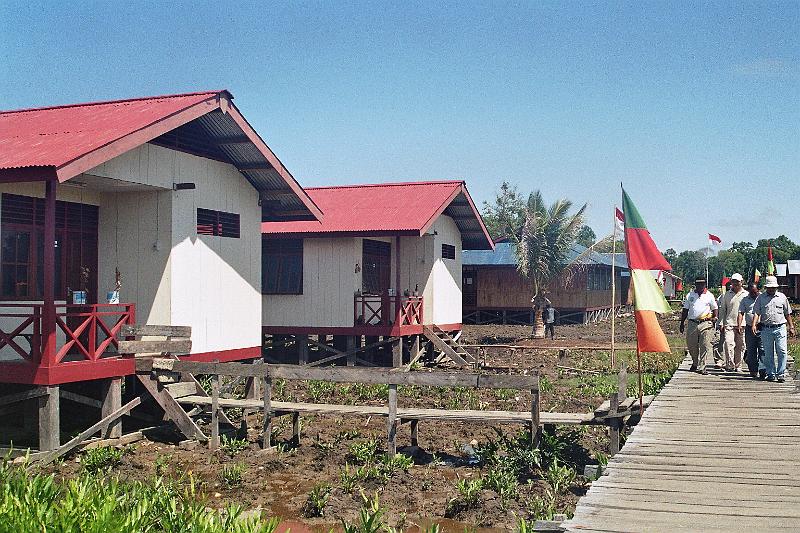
737, 277
772, 281
700, 280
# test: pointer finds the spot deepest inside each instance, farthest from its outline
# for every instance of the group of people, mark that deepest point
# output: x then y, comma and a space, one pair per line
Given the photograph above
752, 326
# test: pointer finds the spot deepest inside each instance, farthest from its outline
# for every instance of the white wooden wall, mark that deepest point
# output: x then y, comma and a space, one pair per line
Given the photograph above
330, 279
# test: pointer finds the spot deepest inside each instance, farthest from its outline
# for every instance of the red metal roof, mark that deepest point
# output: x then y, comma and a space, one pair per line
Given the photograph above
54, 136
389, 209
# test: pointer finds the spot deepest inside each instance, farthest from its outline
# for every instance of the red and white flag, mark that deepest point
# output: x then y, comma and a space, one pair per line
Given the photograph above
713, 238
619, 218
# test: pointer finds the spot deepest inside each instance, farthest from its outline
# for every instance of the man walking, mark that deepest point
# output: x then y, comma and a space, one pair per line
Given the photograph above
700, 308
732, 336
772, 311
754, 350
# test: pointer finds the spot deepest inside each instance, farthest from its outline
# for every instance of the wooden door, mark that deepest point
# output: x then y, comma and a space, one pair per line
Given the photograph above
469, 287
377, 267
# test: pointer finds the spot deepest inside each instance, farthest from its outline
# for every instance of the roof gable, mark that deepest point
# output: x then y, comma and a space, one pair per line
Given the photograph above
64, 141
389, 209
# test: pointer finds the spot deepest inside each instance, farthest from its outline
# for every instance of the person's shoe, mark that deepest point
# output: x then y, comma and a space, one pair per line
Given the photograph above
780, 379
770, 378
693, 368
754, 375
762, 374
704, 372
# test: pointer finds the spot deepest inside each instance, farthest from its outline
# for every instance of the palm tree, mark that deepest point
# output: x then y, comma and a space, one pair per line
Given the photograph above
543, 245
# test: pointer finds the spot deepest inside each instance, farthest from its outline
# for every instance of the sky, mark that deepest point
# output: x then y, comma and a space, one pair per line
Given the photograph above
695, 107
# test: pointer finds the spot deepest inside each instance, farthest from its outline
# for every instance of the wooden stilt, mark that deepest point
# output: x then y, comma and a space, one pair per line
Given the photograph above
397, 353
266, 439
415, 432
112, 401
302, 349
213, 443
415, 348
392, 421
351, 346
49, 419
296, 429
535, 410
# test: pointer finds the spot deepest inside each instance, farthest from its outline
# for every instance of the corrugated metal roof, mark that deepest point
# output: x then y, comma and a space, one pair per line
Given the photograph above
505, 254
389, 208
53, 136
67, 140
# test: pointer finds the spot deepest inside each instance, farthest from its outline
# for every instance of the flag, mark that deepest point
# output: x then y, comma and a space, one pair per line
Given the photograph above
757, 276
770, 262
619, 218
648, 296
714, 238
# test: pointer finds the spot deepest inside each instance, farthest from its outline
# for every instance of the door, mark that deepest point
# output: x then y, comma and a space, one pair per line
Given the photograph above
469, 287
376, 272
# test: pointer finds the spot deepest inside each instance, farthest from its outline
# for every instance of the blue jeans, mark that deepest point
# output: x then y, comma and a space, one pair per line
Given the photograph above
774, 340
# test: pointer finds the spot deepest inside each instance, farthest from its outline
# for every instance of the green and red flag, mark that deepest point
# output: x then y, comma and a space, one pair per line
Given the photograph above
648, 296
770, 262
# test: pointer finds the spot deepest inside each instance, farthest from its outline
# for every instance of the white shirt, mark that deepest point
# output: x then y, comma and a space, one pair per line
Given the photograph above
699, 305
729, 307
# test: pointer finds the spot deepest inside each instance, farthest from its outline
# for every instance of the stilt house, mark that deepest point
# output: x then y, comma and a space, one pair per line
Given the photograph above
384, 262
141, 211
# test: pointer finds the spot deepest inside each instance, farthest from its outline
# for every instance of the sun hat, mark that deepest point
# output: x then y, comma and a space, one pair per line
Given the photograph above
737, 277
772, 281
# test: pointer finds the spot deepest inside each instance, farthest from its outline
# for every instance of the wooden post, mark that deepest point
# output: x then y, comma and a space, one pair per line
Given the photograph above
415, 432
398, 293
392, 422
414, 348
296, 429
213, 444
49, 419
112, 401
267, 436
48, 328
397, 353
535, 409
302, 349
562, 356
351, 346
613, 424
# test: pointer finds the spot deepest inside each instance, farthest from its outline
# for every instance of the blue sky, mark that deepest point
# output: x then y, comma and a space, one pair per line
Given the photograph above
694, 106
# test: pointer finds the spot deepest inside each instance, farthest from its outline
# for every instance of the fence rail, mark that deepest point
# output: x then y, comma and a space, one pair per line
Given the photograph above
379, 310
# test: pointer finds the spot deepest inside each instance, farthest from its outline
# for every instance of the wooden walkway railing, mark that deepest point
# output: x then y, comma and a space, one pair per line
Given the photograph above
712, 453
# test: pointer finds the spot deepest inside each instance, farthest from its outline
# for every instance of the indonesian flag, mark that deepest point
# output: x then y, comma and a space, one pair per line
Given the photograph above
619, 218
648, 296
713, 238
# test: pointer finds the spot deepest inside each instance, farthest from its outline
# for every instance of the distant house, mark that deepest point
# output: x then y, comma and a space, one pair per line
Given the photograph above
495, 292
788, 275
671, 284
384, 262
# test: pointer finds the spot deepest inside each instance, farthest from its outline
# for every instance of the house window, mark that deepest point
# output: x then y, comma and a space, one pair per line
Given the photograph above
219, 223
448, 251
282, 266
22, 254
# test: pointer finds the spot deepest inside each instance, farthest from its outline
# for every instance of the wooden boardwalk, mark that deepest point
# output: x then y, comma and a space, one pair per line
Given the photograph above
712, 453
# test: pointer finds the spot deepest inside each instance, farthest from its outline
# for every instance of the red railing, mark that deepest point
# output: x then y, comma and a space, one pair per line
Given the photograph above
377, 310
83, 332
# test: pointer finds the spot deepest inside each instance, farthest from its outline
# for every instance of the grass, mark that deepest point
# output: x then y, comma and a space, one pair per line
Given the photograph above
233, 446
317, 500
101, 459
232, 474
102, 504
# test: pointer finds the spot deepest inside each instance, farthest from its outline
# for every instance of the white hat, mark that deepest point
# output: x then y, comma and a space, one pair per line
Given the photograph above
772, 281
737, 277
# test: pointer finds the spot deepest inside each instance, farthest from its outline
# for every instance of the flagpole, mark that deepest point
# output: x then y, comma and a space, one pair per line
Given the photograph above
707, 249
613, 287
639, 372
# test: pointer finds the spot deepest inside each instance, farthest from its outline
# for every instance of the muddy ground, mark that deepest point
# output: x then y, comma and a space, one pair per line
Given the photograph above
279, 482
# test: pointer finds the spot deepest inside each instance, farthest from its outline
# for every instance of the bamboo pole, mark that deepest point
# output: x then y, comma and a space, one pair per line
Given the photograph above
613, 288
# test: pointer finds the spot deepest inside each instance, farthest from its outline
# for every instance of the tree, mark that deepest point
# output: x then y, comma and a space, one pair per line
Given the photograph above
504, 216
671, 256
690, 265
546, 238
586, 236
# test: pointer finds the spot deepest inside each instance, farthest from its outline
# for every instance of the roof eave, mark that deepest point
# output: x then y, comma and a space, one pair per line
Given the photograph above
460, 188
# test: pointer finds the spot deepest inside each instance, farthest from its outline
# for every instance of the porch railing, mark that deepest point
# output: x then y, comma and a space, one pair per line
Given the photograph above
83, 332
379, 310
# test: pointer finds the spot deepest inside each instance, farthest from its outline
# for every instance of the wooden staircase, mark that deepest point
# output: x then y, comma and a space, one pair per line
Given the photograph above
448, 347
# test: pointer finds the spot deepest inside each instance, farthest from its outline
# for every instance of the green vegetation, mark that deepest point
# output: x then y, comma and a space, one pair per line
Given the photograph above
233, 446
232, 474
317, 500
101, 459
38, 502
373, 466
